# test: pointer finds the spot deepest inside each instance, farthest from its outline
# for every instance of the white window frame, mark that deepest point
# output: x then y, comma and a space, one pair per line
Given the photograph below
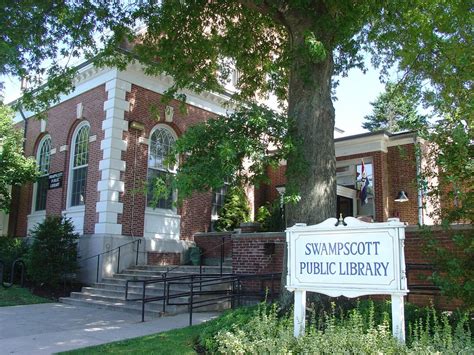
223, 190
171, 170
71, 164
38, 157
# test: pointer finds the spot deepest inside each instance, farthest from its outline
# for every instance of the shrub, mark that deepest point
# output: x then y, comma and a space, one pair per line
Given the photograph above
11, 248
53, 253
362, 330
271, 217
227, 321
236, 210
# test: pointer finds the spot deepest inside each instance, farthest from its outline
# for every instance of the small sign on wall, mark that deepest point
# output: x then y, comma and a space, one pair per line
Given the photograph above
55, 180
349, 258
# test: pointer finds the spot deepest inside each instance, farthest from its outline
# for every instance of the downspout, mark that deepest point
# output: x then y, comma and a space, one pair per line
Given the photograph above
25, 128
419, 182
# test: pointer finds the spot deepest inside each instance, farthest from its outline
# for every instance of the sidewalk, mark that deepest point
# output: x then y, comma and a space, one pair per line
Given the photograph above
53, 327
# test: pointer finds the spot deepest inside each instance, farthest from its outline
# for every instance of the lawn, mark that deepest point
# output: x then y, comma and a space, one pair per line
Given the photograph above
15, 296
177, 341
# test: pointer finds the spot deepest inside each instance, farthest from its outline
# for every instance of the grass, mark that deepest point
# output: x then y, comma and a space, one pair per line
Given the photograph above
16, 296
177, 341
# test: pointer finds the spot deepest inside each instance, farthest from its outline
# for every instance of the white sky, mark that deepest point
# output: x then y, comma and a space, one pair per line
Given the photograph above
354, 94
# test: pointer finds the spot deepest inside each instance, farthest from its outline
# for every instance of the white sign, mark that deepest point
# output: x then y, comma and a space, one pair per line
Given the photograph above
350, 258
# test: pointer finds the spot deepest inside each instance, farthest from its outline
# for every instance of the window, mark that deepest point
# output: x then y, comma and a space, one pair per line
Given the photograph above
218, 199
162, 140
349, 175
80, 158
43, 159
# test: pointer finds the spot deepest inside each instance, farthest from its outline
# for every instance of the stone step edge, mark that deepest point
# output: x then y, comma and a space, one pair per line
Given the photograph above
106, 305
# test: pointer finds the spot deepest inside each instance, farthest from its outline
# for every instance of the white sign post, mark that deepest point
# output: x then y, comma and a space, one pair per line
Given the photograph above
349, 259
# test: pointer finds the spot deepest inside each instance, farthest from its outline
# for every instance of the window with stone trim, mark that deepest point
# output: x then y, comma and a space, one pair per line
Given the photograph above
218, 199
80, 163
162, 140
43, 160
349, 175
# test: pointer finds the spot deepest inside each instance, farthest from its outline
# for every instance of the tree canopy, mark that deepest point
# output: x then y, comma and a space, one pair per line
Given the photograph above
290, 48
394, 111
15, 168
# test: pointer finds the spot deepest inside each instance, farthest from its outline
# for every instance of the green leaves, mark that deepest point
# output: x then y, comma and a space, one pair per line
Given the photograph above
395, 110
15, 168
314, 49
236, 210
53, 253
236, 148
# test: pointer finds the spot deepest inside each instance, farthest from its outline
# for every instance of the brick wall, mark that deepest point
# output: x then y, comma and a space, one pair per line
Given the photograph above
402, 176
393, 171
249, 257
248, 253
60, 126
415, 244
210, 245
146, 107
157, 258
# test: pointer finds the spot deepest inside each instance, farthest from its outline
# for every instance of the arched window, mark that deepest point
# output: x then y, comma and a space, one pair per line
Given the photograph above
78, 165
43, 159
162, 140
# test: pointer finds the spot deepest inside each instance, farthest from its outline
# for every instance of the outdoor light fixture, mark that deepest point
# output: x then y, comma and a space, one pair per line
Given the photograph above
402, 197
136, 125
281, 189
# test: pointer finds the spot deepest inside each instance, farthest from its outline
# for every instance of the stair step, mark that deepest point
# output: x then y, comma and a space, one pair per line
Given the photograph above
134, 287
120, 302
120, 293
110, 292
184, 268
135, 309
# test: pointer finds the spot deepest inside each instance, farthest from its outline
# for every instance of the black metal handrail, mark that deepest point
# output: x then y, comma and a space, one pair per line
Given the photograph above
201, 254
196, 283
138, 241
16, 262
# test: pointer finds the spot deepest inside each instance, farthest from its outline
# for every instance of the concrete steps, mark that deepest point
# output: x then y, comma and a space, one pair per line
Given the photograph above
110, 292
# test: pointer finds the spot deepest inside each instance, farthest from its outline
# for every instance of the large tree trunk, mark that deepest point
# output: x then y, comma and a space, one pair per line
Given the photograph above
312, 171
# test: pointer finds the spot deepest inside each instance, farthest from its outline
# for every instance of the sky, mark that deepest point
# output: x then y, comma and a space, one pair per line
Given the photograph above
354, 95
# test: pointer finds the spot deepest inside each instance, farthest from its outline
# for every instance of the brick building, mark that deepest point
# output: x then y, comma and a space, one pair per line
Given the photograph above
97, 149
102, 143
390, 165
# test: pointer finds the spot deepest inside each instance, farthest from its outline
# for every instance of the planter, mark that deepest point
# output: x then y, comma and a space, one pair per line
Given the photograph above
195, 255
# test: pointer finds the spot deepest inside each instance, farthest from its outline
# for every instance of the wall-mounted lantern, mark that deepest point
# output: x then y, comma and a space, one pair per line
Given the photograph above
402, 197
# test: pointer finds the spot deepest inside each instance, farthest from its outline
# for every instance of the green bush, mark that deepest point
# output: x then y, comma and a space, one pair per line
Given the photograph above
271, 217
11, 248
236, 210
53, 253
227, 321
362, 330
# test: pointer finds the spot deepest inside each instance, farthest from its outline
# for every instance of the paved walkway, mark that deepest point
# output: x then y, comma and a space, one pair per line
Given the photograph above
54, 327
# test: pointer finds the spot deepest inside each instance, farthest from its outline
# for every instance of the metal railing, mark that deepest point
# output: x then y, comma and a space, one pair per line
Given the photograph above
12, 274
202, 254
118, 249
198, 285
221, 246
